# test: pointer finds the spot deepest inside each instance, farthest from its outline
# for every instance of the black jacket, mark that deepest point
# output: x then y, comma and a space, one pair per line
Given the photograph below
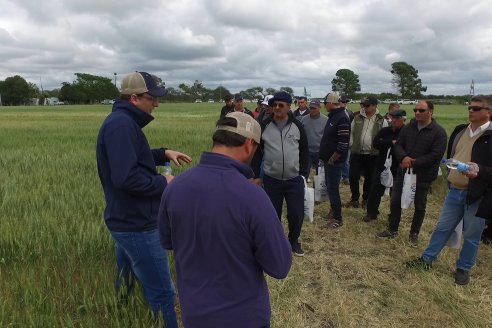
382, 142
426, 146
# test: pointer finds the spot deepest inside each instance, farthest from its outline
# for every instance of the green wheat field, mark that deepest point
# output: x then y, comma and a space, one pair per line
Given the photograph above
57, 258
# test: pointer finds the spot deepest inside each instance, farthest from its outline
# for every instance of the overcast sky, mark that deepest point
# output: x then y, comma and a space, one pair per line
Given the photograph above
242, 44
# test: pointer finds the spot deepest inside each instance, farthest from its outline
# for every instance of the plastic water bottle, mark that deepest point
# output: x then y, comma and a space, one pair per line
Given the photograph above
454, 164
167, 169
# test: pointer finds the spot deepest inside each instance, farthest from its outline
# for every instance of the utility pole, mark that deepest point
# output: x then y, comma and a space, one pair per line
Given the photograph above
472, 90
114, 79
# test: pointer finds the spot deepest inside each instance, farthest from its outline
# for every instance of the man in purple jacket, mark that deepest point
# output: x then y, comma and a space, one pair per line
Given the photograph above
225, 233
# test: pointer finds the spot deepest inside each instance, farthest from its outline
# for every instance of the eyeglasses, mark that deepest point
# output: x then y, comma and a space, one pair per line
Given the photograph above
476, 108
420, 110
279, 105
148, 97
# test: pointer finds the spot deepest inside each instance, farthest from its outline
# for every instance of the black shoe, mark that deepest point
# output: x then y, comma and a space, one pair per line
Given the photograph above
461, 277
387, 234
296, 249
369, 218
413, 238
352, 203
418, 264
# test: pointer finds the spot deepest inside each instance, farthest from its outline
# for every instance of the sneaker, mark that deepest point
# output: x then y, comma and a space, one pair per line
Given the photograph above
413, 238
296, 249
418, 264
352, 203
461, 277
387, 234
368, 218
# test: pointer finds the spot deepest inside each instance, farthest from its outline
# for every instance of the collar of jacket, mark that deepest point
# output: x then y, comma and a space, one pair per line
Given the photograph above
139, 116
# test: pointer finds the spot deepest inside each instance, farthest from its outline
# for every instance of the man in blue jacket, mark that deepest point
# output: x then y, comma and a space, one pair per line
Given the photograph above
133, 189
333, 151
224, 232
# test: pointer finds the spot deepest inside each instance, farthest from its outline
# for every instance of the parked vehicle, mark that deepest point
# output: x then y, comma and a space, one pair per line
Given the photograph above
198, 100
211, 101
407, 102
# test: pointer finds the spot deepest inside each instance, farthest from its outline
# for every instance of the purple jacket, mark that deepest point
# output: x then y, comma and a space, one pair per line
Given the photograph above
225, 235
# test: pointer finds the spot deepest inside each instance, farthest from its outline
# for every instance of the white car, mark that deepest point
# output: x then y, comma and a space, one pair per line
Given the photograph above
198, 100
211, 101
407, 102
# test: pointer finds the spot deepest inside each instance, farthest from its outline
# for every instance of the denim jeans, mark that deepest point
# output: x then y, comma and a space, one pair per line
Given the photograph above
346, 167
293, 192
455, 209
420, 203
313, 162
333, 174
143, 254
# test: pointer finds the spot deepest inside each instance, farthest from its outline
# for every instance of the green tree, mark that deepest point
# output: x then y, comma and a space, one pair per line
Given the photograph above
15, 91
289, 90
270, 91
406, 80
95, 88
253, 93
346, 82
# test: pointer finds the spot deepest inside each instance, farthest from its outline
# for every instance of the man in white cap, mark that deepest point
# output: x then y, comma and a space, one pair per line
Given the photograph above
224, 232
133, 189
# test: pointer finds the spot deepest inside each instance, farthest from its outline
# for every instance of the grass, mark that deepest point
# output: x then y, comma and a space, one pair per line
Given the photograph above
57, 261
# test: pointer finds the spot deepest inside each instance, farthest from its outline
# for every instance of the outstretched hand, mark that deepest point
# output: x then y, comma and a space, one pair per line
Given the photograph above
177, 157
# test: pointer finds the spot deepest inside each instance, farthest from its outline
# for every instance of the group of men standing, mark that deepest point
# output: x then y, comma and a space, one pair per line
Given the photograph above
226, 232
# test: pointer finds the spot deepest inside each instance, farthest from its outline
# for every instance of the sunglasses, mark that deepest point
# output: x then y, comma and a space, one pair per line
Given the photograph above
420, 110
476, 108
279, 105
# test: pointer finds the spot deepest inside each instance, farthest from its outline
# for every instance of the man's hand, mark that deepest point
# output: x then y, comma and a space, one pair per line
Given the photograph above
472, 171
333, 158
169, 178
407, 162
177, 157
258, 181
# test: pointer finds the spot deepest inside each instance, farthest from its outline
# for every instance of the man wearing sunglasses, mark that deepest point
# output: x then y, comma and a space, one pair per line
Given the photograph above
333, 151
469, 196
285, 154
420, 146
133, 190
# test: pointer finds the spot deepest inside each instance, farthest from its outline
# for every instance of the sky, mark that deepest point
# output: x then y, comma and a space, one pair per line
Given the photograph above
248, 43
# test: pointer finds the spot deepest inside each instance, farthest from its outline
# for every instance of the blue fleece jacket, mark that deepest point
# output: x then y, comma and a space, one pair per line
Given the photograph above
127, 170
225, 235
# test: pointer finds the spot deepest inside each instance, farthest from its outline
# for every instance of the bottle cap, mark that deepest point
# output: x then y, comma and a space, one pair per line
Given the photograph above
462, 167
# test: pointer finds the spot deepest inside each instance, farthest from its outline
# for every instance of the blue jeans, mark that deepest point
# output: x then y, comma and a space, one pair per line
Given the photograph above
313, 162
333, 174
455, 209
293, 192
143, 254
346, 167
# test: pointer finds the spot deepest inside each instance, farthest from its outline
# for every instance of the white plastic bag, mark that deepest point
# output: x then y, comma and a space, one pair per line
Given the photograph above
308, 202
386, 176
320, 191
409, 188
454, 240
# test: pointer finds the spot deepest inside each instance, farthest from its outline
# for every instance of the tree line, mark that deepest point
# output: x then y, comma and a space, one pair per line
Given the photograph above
90, 89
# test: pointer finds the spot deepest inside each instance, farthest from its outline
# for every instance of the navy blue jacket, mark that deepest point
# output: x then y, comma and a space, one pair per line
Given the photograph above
127, 170
225, 235
336, 136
